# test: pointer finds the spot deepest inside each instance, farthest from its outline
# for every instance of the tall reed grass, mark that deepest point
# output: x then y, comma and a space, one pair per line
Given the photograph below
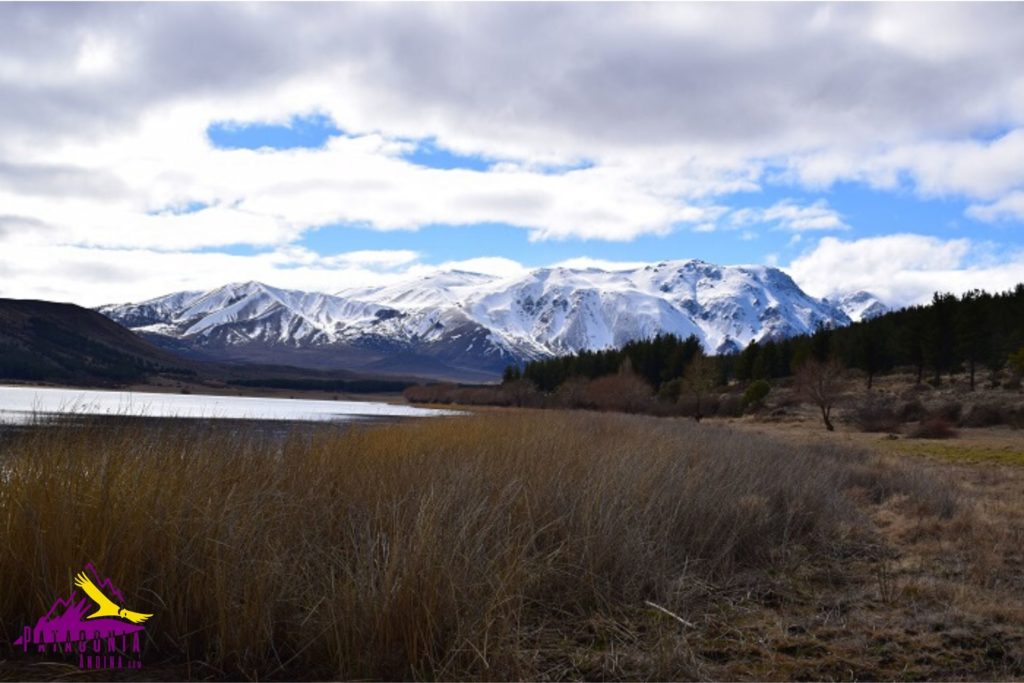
437, 548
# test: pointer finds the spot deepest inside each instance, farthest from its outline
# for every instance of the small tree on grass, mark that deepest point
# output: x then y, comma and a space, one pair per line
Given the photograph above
700, 378
818, 382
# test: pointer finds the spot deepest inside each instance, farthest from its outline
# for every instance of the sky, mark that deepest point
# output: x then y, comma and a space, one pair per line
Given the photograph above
146, 149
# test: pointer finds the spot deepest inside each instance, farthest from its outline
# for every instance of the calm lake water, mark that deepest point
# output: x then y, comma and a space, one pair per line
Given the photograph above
18, 405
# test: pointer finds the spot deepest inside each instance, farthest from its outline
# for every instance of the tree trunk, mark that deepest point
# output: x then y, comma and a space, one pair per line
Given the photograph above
971, 365
824, 416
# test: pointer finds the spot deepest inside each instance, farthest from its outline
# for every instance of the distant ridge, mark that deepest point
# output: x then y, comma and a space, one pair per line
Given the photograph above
46, 341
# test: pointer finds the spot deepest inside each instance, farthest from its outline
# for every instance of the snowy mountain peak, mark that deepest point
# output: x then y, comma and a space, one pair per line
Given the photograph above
459, 323
861, 306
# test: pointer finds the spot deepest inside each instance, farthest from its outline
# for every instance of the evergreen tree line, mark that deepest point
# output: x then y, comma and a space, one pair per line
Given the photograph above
976, 333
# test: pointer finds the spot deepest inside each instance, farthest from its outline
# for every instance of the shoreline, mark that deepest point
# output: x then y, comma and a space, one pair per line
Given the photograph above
220, 389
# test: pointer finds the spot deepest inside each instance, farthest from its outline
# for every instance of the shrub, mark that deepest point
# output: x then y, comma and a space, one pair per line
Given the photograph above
1015, 417
912, 411
984, 415
671, 391
730, 405
755, 394
572, 393
874, 415
430, 393
520, 392
949, 411
687, 406
623, 392
934, 428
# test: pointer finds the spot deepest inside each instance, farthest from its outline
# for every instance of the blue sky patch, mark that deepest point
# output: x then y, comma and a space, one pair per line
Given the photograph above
427, 153
310, 132
180, 209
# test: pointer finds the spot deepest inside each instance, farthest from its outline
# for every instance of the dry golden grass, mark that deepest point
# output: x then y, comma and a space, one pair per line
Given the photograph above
506, 545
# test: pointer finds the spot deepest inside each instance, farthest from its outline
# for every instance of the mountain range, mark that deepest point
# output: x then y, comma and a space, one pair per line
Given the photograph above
469, 326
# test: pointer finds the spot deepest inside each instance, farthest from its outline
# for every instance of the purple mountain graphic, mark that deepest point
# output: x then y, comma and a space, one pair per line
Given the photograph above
67, 615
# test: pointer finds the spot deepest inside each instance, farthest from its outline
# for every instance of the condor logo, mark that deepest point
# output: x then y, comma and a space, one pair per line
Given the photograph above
93, 626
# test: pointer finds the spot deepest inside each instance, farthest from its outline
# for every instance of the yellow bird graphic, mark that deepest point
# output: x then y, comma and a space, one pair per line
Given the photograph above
107, 607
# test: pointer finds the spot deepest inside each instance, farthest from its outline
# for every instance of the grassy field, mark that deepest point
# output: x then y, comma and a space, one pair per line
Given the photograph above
512, 545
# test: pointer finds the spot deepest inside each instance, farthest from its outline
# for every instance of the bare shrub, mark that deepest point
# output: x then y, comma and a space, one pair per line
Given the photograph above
520, 392
688, 406
712, 404
1014, 416
934, 428
912, 411
985, 415
949, 411
730, 405
623, 392
572, 393
430, 393
872, 414
820, 383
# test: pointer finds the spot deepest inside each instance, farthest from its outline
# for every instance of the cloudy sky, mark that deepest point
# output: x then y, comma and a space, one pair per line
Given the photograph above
151, 148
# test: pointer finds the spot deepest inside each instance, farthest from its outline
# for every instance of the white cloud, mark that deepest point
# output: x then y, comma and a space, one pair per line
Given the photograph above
903, 269
489, 265
1009, 207
674, 107
962, 167
601, 264
97, 276
788, 215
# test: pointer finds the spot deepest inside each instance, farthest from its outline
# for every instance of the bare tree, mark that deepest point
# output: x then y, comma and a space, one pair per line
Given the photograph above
819, 383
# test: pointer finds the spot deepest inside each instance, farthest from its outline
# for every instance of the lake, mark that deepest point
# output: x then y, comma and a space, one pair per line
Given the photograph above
20, 404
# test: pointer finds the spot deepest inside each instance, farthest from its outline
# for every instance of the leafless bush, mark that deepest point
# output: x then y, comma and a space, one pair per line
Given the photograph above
623, 392
985, 415
431, 393
949, 411
912, 411
572, 393
730, 405
934, 428
520, 392
820, 383
872, 414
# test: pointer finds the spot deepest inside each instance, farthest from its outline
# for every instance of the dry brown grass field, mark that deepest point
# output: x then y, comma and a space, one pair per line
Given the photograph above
520, 544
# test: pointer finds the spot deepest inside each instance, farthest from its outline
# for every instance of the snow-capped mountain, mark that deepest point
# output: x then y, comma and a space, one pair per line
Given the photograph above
471, 325
861, 306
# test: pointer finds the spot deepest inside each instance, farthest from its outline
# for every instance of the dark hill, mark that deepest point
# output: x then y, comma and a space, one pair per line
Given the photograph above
46, 341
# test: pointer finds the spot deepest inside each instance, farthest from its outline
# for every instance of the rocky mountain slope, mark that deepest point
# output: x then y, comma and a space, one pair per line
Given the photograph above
46, 341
